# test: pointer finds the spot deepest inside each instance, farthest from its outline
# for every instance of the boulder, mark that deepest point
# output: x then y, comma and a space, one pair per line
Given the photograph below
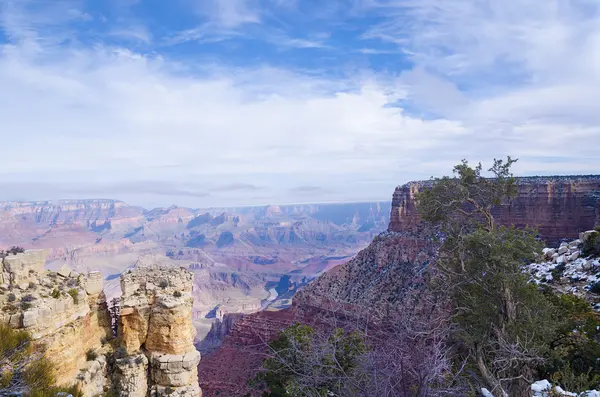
573, 256
64, 271
563, 249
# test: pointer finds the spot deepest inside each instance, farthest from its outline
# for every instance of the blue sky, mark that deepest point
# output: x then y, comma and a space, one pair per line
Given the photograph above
241, 102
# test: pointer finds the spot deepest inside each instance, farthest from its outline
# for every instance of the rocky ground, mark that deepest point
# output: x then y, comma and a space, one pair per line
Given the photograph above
567, 270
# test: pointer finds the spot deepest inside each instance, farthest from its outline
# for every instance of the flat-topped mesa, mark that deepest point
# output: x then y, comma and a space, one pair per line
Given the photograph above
155, 327
558, 206
63, 311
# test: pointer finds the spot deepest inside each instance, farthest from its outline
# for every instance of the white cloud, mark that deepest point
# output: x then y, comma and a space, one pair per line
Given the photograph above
99, 119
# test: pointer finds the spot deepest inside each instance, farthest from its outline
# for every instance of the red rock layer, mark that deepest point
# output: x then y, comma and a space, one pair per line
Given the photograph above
227, 371
559, 207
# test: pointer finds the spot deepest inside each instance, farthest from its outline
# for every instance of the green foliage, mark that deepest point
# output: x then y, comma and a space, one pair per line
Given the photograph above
74, 292
163, 284
120, 352
55, 293
12, 297
177, 294
573, 358
12, 341
508, 330
591, 247
91, 355
304, 365
25, 369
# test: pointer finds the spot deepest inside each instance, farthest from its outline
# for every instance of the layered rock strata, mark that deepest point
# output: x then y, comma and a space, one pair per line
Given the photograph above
155, 327
65, 313
558, 206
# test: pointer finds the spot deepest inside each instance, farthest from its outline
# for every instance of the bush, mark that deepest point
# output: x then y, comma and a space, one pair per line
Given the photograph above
74, 294
27, 298
14, 250
32, 285
91, 355
595, 288
177, 294
163, 284
12, 297
11, 339
591, 247
139, 360
26, 305
120, 352
55, 293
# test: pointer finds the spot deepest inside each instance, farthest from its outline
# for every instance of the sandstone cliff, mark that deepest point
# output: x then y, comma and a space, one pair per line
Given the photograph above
559, 207
65, 313
155, 328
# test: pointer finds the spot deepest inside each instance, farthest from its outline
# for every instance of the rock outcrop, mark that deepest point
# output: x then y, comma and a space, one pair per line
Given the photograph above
559, 206
65, 312
389, 269
569, 269
155, 327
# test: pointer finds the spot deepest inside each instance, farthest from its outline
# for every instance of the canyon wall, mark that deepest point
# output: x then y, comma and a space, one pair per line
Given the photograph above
558, 206
64, 312
67, 316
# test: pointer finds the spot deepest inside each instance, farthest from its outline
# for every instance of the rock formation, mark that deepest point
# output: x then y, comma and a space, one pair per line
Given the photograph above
155, 328
389, 268
559, 206
227, 371
67, 316
569, 269
65, 312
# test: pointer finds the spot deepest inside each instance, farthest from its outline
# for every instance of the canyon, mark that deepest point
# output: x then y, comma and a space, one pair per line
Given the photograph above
388, 270
243, 259
137, 287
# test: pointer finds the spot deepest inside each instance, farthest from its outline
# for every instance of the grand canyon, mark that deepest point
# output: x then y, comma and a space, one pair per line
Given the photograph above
279, 265
243, 259
299, 198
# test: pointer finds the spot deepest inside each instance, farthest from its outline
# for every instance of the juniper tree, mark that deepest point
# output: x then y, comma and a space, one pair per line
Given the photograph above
503, 323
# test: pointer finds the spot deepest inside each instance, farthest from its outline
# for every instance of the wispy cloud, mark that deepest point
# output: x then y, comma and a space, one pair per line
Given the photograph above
469, 81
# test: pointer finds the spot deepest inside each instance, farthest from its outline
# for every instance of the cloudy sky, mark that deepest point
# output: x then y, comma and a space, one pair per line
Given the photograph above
239, 102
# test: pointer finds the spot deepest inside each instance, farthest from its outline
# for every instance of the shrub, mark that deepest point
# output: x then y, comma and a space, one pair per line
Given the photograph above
27, 298
12, 297
120, 352
139, 360
11, 339
14, 250
55, 293
558, 271
26, 305
177, 294
32, 285
91, 355
591, 247
74, 294
163, 284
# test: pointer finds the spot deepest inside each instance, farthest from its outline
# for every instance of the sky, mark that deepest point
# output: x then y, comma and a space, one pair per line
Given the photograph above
248, 102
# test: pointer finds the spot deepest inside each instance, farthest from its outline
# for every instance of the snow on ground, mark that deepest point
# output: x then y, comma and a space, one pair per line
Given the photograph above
565, 269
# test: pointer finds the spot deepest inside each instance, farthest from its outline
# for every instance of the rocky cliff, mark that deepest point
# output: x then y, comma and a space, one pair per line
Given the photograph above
389, 269
65, 313
559, 206
156, 331
67, 316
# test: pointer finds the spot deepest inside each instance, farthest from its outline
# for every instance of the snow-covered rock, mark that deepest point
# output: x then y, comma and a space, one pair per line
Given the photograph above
568, 272
543, 388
